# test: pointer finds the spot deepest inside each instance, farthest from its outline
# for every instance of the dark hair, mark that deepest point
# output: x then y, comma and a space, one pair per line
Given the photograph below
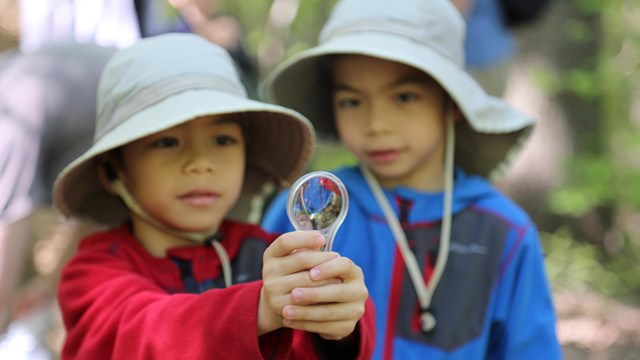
326, 128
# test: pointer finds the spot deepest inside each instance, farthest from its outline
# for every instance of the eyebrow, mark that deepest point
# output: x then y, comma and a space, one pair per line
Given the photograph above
232, 118
342, 87
411, 79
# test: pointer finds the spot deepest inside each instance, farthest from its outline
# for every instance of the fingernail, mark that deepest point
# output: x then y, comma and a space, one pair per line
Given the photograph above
289, 313
297, 294
320, 239
315, 274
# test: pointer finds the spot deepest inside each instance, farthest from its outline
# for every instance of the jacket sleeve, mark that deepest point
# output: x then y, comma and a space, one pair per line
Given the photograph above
367, 331
525, 326
111, 312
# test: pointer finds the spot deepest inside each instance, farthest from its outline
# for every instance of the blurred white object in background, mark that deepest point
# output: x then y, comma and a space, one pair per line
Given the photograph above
24, 337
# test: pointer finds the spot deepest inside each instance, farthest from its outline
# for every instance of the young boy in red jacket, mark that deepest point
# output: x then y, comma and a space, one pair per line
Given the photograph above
175, 278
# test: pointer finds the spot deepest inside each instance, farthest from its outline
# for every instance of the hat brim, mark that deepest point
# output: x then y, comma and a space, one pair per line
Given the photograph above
301, 83
280, 146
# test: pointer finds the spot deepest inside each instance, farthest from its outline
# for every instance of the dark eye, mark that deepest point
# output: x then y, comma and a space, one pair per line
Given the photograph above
165, 142
225, 140
406, 97
347, 103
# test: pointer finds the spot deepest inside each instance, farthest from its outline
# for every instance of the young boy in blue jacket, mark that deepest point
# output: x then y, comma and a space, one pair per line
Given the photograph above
454, 267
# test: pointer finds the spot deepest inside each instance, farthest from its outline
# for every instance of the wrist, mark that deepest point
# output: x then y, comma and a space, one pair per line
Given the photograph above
267, 321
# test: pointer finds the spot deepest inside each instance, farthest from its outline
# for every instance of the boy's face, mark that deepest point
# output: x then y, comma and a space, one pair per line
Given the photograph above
187, 177
391, 116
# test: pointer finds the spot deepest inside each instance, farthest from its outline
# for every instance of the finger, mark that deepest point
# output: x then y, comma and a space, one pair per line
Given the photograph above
275, 300
338, 267
286, 243
332, 293
344, 332
324, 312
334, 330
288, 286
278, 286
298, 261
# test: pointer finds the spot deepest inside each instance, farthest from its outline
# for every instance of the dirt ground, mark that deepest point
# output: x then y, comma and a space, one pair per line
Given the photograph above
594, 327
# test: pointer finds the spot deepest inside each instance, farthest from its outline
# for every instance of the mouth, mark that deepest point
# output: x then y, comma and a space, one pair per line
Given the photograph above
383, 156
199, 197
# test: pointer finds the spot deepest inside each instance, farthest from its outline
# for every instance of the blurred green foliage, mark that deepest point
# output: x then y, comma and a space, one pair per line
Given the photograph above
607, 176
576, 265
331, 156
261, 31
604, 176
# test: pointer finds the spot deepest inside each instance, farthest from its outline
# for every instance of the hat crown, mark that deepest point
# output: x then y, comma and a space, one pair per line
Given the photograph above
436, 24
137, 77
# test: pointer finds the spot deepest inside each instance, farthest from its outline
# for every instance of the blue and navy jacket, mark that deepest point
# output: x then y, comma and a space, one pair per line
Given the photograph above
493, 300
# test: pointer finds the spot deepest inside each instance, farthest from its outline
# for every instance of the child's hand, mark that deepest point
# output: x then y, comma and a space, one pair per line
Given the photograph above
332, 310
287, 262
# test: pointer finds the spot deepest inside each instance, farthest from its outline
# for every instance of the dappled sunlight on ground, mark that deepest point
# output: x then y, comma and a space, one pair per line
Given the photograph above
592, 326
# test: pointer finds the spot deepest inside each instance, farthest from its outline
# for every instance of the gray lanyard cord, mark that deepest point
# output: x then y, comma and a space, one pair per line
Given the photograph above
423, 292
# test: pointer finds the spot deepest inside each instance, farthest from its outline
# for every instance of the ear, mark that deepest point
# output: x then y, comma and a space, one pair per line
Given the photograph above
452, 107
457, 114
106, 174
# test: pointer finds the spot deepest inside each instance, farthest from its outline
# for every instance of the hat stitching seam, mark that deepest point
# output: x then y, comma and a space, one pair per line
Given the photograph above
116, 111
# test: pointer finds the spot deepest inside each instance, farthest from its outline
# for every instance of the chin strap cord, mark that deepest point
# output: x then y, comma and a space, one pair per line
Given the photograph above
210, 237
423, 292
224, 259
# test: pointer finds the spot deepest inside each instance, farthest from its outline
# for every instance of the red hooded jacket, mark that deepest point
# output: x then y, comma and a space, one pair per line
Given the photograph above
119, 302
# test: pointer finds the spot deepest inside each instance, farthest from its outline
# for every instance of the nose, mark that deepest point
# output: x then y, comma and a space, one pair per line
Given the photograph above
378, 120
199, 161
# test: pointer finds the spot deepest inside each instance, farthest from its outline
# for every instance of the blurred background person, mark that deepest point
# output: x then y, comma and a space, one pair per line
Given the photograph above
120, 23
490, 46
47, 104
204, 18
47, 111
102, 22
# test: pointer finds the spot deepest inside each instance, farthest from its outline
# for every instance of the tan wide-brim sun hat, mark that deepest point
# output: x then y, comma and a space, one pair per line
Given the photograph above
167, 80
425, 34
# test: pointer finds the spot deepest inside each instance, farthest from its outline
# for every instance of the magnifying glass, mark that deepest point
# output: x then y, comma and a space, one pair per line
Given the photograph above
318, 201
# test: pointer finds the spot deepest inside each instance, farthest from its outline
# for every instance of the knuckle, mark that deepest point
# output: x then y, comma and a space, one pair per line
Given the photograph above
301, 312
311, 295
301, 259
364, 292
332, 337
267, 268
344, 262
267, 284
330, 314
345, 329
